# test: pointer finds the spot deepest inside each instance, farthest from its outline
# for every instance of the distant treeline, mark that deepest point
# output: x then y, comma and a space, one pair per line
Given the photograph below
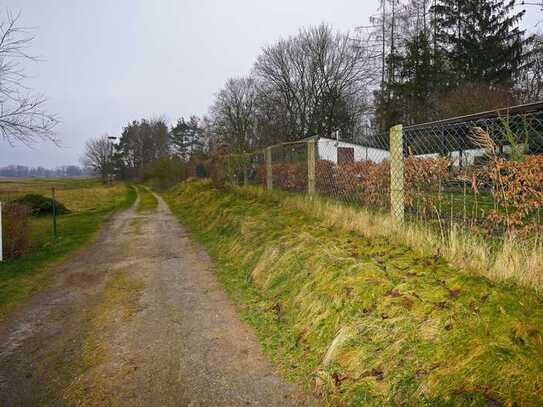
21, 171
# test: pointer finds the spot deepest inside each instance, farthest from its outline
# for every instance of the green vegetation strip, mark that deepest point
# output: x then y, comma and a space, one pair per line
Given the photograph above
366, 322
118, 302
22, 277
148, 201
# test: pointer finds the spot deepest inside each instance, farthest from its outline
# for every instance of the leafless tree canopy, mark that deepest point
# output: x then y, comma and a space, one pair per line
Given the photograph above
530, 84
98, 156
234, 114
313, 83
22, 118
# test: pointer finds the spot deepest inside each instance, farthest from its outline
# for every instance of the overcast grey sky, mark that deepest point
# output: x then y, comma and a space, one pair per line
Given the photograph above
108, 62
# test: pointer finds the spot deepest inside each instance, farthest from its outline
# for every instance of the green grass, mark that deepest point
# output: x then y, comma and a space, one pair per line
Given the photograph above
148, 201
365, 321
22, 277
119, 301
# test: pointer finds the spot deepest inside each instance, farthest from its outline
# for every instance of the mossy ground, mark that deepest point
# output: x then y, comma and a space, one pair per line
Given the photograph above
364, 321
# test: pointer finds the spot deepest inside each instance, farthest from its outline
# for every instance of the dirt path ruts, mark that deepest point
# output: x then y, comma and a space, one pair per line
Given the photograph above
136, 319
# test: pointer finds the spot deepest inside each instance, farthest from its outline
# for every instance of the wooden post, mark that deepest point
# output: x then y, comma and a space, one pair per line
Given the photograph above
311, 167
269, 174
397, 199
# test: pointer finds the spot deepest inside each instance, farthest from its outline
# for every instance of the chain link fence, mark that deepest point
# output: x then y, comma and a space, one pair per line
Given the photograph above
482, 172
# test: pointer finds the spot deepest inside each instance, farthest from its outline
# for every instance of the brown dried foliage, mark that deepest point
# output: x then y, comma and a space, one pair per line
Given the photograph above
15, 230
517, 189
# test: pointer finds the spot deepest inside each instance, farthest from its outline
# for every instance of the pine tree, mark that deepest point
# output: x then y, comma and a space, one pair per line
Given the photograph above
186, 137
417, 88
482, 40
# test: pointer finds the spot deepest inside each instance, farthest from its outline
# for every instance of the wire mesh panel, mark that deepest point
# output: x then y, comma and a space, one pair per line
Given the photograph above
484, 172
356, 172
254, 171
289, 163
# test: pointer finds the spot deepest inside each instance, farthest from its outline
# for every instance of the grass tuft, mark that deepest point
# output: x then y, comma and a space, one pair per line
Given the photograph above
148, 201
119, 301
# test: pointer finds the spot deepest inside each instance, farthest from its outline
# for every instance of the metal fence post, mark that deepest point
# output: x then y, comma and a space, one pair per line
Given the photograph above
311, 167
54, 214
269, 174
397, 198
1, 241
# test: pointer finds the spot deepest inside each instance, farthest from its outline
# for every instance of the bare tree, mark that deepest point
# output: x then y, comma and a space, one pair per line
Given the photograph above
98, 156
530, 80
22, 118
234, 114
315, 82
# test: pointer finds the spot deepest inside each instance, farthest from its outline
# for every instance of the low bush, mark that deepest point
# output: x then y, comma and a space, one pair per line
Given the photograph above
166, 172
41, 205
15, 231
517, 188
513, 189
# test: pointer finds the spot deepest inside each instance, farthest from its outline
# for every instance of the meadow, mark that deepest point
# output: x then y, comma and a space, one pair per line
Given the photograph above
90, 204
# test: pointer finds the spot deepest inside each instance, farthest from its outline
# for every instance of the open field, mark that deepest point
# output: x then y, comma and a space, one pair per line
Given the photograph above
90, 204
366, 321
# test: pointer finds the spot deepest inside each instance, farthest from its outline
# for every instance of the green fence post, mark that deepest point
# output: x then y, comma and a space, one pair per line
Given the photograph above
397, 198
311, 184
269, 174
1, 241
54, 213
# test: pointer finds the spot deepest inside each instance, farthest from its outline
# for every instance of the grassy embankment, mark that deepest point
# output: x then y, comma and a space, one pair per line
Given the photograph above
90, 204
366, 321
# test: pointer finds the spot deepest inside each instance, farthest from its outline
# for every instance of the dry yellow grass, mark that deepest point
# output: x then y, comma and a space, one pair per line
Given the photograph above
78, 195
514, 259
84, 199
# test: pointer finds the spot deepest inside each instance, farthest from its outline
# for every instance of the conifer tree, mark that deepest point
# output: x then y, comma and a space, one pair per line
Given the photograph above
482, 40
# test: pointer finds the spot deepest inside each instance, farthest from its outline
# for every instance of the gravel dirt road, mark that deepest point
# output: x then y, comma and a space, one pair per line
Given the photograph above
136, 319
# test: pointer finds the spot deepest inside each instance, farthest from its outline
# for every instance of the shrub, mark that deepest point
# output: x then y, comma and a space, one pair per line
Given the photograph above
166, 172
364, 182
423, 178
286, 176
41, 205
517, 188
15, 232
325, 174
290, 176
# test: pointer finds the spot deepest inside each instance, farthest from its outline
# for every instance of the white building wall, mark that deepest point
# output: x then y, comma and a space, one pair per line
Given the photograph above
468, 156
327, 150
